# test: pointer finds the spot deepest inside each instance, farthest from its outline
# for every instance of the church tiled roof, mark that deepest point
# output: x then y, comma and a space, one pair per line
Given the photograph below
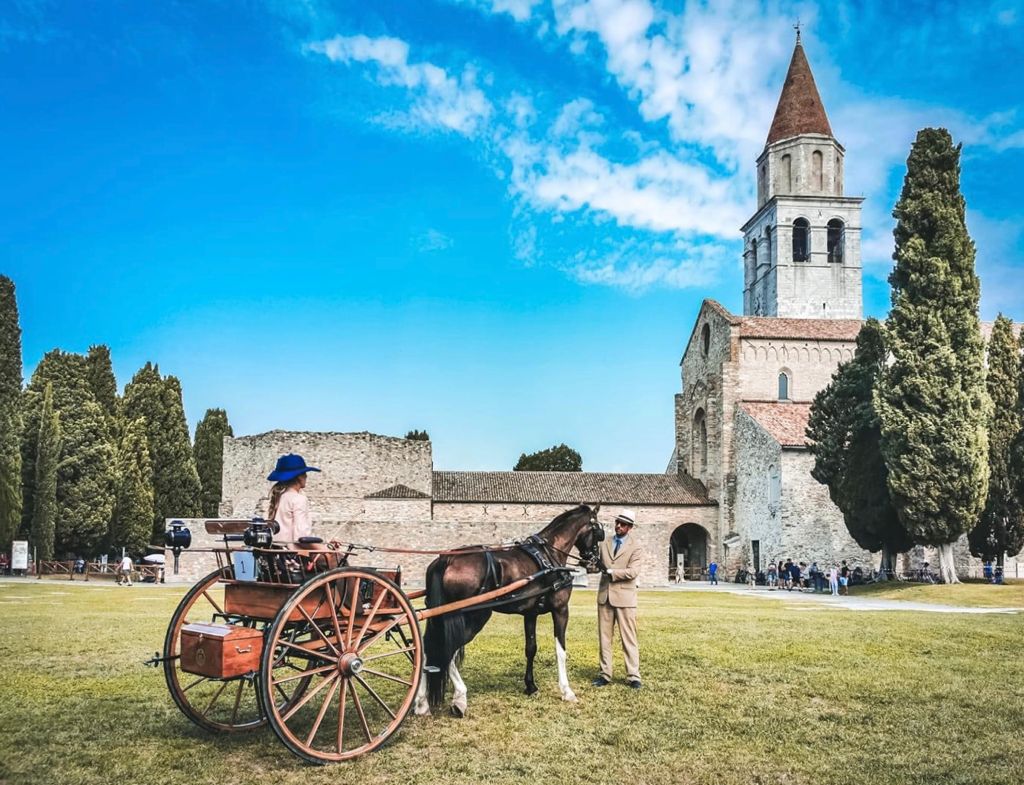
398, 491
800, 110
568, 488
800, 329
785, 421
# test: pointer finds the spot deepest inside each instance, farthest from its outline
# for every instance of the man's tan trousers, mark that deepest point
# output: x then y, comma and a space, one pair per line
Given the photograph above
607, 617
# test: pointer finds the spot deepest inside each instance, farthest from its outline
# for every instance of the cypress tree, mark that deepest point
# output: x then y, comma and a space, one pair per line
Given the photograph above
209, 453
1001, 528
845, 435
133, 511
157, 402
10, 414
101, 379
44, 513
931, 399
85, 474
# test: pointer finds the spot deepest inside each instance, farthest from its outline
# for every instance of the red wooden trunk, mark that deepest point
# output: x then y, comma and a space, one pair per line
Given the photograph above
221, 651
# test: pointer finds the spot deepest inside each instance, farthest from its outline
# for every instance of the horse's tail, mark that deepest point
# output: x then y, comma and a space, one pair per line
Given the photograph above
444, 637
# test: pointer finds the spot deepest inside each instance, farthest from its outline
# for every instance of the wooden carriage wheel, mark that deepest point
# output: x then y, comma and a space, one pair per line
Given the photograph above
218, 705
360, 639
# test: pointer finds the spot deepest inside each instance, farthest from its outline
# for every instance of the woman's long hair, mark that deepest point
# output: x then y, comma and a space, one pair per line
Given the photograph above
275, 497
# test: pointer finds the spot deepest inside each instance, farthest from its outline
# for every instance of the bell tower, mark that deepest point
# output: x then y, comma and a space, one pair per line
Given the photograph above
801, 248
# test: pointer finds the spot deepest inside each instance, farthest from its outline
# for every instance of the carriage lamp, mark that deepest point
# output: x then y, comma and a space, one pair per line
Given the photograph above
177, 538
260, 533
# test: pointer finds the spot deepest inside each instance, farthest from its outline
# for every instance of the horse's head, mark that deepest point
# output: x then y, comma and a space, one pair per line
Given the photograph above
589, 539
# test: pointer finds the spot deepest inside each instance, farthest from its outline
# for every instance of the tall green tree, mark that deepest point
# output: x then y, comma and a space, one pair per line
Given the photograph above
1001, 528
1017, 445
209, 452
10, 414
845, 435
931, 398
157, 402
85, 474
102, 382
560, 458
132, 527
48, 446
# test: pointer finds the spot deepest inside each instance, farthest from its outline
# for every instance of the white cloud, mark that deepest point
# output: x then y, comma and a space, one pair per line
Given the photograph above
637, 266
439, 100
433, 240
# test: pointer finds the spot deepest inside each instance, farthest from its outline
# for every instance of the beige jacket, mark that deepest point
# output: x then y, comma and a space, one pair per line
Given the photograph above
619, 589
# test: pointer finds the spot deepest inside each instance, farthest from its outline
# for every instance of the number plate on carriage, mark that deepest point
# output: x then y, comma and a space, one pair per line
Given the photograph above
220, 651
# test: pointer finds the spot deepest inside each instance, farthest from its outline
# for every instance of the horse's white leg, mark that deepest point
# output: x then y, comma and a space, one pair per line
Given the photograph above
459, 704
422, 705
563, 676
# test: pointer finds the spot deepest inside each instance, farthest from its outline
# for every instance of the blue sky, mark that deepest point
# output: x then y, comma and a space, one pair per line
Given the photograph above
493, 219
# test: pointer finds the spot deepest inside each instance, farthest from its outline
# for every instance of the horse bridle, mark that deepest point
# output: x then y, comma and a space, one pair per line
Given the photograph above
590, 559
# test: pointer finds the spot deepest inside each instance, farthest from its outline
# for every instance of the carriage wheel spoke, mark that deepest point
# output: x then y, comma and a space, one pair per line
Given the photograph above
213, 602
319, 632
369, 618
284, 695
380, 633
387, 676
200, 680
309, 652
300, 674
353, 604
322, 712
362, 717
216, 695
374, 694
341, 715
329, 589
309, 696
238, 699
372, 657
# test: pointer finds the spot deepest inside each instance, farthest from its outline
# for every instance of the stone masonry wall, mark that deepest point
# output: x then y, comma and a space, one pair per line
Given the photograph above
809, 363
353, 465
758, 510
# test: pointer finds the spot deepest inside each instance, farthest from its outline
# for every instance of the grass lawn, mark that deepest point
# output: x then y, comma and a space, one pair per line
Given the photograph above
975, 594
736, 690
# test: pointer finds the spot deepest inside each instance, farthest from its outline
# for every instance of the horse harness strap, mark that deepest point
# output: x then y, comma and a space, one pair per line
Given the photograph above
538, 551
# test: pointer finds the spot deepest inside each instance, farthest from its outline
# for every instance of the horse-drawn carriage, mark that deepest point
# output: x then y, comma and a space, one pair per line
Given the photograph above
331, 655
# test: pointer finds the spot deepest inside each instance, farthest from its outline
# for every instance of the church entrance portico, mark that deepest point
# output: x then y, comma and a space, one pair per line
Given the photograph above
688, 549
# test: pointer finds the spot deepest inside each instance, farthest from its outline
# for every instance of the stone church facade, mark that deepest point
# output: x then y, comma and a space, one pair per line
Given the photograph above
738, 486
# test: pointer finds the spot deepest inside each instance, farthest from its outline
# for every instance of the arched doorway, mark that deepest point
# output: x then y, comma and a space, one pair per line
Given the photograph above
690, 541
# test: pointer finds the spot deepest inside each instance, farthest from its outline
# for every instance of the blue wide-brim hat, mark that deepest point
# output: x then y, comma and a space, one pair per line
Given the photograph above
289, 467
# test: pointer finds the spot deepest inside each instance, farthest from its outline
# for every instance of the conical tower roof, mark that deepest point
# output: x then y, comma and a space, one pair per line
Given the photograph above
800, 110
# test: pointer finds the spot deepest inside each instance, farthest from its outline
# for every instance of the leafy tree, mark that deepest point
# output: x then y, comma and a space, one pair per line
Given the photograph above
133, 512
44, 513
209, 453
85, 473
845, 436
560, 458
418, 436
10, 414
1017, 446
1001, 528
157, 402
101, 378
931, 399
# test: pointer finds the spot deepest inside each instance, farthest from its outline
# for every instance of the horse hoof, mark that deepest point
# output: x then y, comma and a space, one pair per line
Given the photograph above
531, 690
570, 698
457, 712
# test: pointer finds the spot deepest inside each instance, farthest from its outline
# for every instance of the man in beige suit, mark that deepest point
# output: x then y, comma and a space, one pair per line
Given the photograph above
616, 600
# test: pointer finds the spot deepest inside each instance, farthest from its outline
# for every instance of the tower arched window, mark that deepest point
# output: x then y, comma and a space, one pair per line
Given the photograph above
783, 386
801, 240
705, 340
753, 253
768, 246
700, 445
817, 175
786, 174
836, 240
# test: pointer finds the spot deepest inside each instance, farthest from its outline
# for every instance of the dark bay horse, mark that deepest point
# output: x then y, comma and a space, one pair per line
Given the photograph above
474, 571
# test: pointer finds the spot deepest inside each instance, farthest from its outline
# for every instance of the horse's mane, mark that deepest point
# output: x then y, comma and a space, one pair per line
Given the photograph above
562, 517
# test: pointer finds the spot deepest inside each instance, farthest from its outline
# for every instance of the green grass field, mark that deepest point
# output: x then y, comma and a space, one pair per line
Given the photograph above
974, 593
737, 690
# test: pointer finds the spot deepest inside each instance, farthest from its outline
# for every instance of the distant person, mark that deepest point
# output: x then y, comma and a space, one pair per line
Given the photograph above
986, 570
289, 506
773, 578
125, 576
5, 563
844, 578
713, 573
833, 579
794, 576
